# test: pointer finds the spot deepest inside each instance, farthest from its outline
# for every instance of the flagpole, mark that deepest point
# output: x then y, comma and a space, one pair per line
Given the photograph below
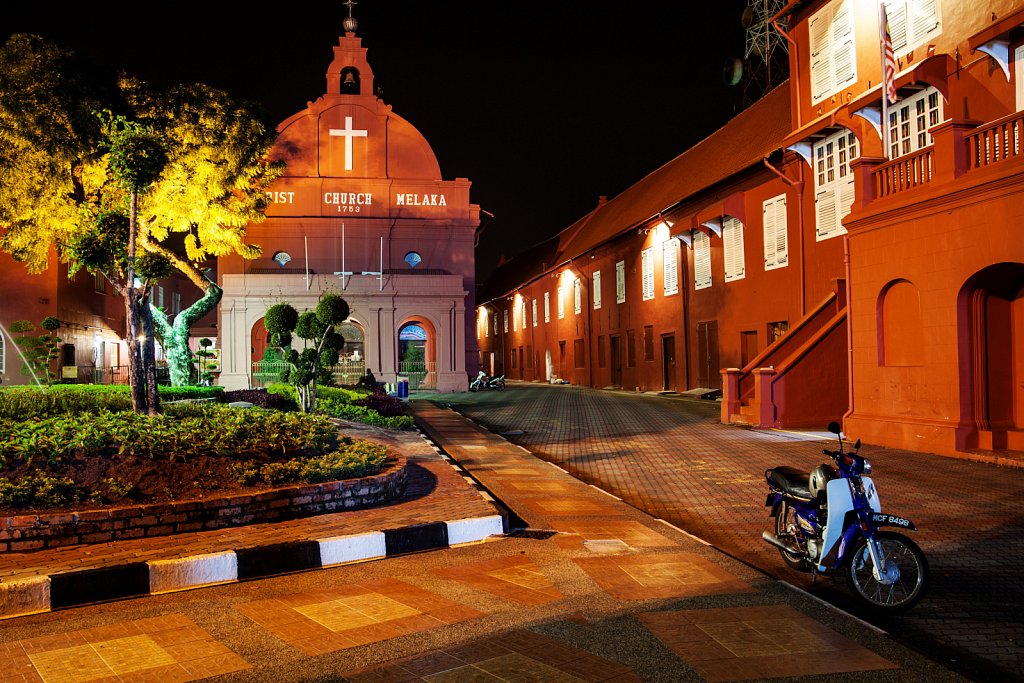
885, 95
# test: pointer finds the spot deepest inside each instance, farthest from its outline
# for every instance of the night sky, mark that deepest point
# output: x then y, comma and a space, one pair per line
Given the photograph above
543, 108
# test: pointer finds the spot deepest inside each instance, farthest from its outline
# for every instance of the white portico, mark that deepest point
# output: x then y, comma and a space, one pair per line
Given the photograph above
361, 211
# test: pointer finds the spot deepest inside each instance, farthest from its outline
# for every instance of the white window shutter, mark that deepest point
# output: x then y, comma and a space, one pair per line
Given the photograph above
620, 282
597, 289
534, 313
844, 46
924, 19
670, 265
561, 303
825, 216
547, 307
1018, 75
896, 13
776, 238
577, 299
505, 324
821, 54
647, 261
732, 237
701, 260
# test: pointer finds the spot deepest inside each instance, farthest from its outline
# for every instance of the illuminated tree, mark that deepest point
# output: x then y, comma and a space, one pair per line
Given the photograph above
60, 184
322, 343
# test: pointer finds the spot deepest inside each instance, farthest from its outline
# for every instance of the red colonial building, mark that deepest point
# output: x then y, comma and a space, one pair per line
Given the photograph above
825, 254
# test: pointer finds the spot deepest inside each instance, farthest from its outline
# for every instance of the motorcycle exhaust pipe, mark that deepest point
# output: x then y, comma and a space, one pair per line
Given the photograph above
774, 540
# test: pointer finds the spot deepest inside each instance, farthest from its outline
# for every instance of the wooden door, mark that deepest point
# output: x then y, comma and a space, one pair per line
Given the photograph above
668, 362
708, 370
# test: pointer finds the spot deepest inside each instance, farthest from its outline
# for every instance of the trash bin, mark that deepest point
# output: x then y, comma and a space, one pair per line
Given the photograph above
403, 387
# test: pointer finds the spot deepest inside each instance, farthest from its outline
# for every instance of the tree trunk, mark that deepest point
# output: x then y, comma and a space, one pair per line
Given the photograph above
132, 298
149, 357
175, 336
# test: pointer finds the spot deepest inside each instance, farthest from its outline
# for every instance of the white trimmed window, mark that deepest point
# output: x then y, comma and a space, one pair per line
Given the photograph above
833, 182
547, 307
670, 266
701, 260
577, 300
535, 313
776, 233
486, 322
732, 244
596, 289
912, 23
159, 296
647, 262
561, 303
504, 327
910, 119
1018, 75
833, 49
177, 302
620, 282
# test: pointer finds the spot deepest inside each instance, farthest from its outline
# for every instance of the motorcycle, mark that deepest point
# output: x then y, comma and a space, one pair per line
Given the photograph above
483, 381
828, 521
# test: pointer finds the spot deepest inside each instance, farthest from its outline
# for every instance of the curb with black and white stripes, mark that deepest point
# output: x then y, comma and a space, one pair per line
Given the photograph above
137, 579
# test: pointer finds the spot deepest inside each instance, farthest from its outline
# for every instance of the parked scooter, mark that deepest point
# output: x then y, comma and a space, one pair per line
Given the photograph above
828, 521
484, 381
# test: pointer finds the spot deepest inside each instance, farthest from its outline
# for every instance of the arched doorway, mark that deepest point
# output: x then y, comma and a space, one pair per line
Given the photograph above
416, 354
352, 358
990, 335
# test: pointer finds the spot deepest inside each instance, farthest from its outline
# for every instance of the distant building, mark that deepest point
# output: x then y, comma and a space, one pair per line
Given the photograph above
361, 211
824, 255
91, 314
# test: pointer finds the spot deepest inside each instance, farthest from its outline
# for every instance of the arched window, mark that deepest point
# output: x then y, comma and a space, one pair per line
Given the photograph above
900, 337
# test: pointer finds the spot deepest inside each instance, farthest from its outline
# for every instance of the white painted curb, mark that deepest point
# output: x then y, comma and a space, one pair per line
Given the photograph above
26, 596
473, 529
342, 549
191, 572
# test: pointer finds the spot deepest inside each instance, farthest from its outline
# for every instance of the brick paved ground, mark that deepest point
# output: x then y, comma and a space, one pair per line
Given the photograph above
673, 459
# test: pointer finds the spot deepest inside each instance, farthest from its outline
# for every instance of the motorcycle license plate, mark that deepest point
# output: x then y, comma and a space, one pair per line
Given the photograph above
882, 518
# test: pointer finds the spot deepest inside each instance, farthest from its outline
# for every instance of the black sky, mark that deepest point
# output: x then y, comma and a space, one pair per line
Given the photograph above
543, 108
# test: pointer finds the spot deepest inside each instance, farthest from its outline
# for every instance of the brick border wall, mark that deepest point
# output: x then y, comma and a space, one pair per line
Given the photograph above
35, 532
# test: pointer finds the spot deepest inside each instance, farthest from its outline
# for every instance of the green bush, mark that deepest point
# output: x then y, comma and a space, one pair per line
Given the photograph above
184, 432
25, 402
38, 489
339, 403
353, 459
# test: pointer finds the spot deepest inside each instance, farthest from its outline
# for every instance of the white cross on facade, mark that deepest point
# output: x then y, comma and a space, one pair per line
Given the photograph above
348, 134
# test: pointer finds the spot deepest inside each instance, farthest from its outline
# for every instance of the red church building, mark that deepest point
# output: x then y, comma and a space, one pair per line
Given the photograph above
361, 211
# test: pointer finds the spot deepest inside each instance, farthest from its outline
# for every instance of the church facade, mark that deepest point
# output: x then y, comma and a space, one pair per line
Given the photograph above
361, 211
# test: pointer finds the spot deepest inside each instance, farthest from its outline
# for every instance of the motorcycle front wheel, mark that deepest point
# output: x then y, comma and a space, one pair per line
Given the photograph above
474, 387
906, 574
786, 530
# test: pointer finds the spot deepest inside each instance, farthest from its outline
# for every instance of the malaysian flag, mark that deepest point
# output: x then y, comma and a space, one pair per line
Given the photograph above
888, 60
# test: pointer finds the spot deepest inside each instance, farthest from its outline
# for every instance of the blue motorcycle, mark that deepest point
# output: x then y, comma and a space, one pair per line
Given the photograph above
829, 520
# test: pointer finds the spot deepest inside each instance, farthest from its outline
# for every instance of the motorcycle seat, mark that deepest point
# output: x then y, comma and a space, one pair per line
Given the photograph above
792, 481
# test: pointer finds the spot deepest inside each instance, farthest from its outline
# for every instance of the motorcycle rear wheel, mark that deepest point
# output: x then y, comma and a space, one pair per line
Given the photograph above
900, 595
786, 528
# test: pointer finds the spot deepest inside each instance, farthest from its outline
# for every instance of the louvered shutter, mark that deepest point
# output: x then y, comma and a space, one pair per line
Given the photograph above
732, 237
647, 261
776, 239
670, 264
597, 289
701, 260
620, 282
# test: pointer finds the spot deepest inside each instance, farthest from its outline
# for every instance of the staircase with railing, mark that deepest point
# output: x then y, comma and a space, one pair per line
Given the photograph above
798, 380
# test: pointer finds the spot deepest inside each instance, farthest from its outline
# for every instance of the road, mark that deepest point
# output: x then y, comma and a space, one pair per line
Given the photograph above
672, 458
